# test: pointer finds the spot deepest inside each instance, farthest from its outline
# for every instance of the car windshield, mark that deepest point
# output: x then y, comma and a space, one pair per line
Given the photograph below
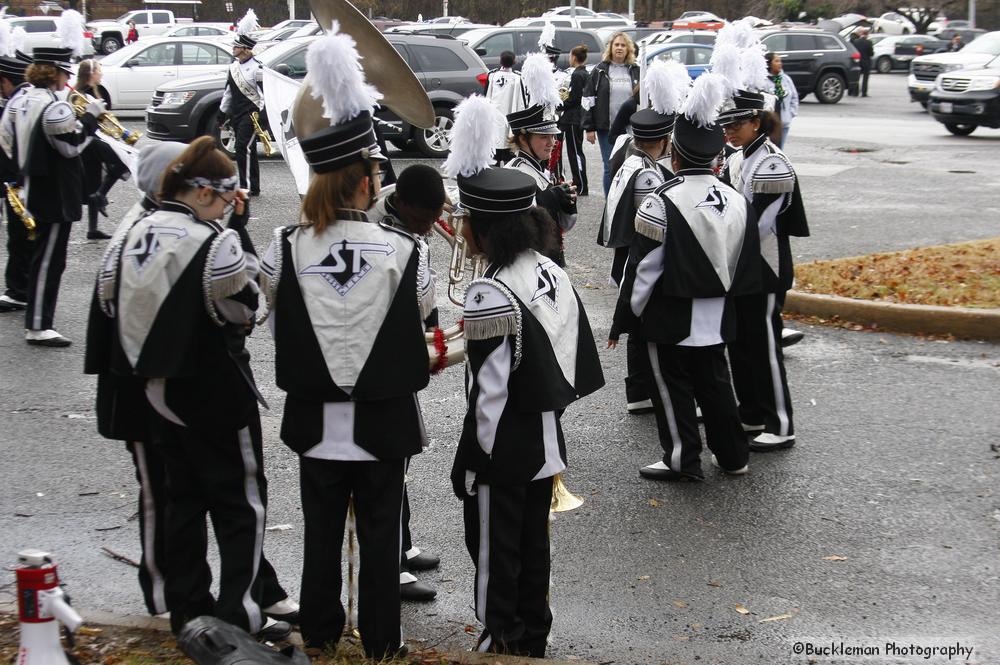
473, 36
124, 54
986, 44
278, 52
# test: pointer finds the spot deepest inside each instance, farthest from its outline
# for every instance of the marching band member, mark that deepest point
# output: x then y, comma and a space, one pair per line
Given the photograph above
19, 247
765, 177
505, 90
241, 97
99, 159
50, 140
414, 206
572, 118
530, 353
694, 249
184, 295
535, 133
547, 45
348, 300
640, 174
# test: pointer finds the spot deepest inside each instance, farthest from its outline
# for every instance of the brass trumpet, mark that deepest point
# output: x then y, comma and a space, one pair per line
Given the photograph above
108, 123
14, 199
262, 136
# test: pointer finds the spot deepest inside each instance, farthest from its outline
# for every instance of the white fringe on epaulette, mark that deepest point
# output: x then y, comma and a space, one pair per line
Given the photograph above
220, 288
782, 186
496, 326
649, 230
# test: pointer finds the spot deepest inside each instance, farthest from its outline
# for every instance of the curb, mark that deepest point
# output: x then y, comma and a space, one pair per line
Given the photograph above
97, 619
966, 322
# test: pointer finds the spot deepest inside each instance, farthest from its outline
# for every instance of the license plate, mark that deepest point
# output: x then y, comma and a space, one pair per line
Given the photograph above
945, 107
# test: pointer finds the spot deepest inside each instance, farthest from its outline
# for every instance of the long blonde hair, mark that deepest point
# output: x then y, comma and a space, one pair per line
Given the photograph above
629, 44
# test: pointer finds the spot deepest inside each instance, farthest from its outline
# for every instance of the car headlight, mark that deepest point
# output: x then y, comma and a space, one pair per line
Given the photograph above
983, 83
951, 68
177, 98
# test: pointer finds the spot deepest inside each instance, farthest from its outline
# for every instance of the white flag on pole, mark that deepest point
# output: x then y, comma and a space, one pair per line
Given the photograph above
281, 93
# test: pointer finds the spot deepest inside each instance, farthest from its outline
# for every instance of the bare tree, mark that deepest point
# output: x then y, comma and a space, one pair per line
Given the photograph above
922, 17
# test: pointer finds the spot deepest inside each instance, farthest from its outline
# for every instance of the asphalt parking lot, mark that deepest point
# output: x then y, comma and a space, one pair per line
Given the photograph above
880, 527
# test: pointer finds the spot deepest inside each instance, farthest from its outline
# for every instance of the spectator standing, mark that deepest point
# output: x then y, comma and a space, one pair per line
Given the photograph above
133, 34
956, 44
787, 97
867, 51
610, 85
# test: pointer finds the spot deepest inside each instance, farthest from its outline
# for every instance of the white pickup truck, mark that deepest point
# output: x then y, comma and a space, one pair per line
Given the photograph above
110, 34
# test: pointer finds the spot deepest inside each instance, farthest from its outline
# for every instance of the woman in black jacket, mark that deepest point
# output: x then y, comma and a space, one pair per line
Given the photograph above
609, 86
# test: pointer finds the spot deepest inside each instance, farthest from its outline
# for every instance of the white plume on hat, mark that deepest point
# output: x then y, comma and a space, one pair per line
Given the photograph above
667, 84
336, 76
6, 43
248, 23
705, 99
17, 37
474, 137
726, 60
753, 68
548, 36
539, 81
69, 30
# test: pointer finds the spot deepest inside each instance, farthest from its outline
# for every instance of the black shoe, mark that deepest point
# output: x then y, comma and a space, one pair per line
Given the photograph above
286, 610
422, 561
99, 201
273, 631
660, 471
8, 304
790, 337
639, 406
45, 338
766, 442
416, 591
97, 235
254, 192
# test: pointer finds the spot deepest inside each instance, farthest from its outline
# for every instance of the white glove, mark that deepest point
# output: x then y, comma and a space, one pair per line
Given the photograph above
96, 108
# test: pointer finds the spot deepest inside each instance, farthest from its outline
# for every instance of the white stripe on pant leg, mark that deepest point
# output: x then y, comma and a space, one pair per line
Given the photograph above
668, 407
772, 357
483, 560
43, 278
149, 529
252, 490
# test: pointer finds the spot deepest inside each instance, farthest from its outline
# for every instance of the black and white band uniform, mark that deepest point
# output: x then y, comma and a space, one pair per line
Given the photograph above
639, 175
242, 96
184, 295
124, 413
558, 199
348, 298
530, 353
694, 249
19, 247
763, 174
50, 139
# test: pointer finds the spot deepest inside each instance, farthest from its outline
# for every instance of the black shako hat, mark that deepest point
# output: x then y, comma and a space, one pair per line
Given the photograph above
341, 145
245, 41
56, 56
12, 69
648, 125
496, 190
697, 145
744, 105
552, 50
21, 55
531, 120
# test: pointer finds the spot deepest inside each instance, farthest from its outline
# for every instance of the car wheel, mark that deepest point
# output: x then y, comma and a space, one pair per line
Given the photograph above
830, 88
225, 137
110, 44
960, 130
924, 104
884, 64
436, 141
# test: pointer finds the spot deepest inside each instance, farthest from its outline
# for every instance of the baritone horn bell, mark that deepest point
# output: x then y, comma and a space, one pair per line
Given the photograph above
562, 499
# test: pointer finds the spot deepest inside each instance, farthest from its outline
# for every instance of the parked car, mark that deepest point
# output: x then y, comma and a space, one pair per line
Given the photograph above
968, 35
41, 31
698, 21
448, 69
635, 34
585, 23
695, 57
893, 23
197, 30
687, 36
269, 38
941, 23
925, 69
291, 23
965, 99
132, 74
897, 52
454, 29
109, 34
489, 43
819, 62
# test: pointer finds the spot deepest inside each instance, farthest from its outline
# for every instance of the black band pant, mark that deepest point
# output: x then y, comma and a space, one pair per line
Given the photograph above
48, 261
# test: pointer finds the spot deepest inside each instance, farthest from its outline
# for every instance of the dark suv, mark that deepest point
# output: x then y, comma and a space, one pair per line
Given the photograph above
819, 62
447, 68
489, 43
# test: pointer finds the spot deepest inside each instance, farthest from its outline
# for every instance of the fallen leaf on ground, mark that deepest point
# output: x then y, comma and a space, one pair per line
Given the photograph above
279, 527
780, 617
835, 557
715, 583
654, 503
644, 577
741, 609
679, 603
